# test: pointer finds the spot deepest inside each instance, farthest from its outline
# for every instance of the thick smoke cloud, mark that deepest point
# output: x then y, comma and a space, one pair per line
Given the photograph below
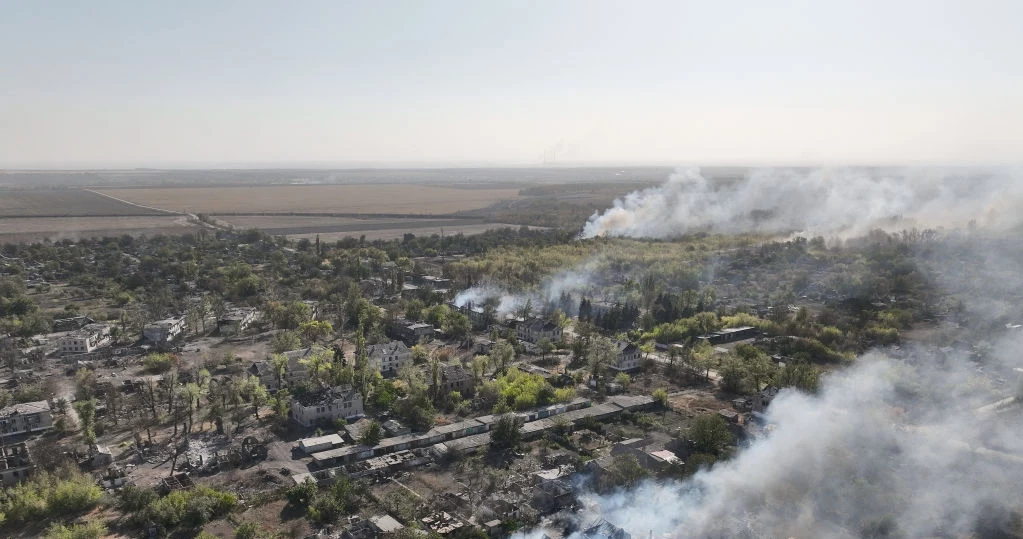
889, 448
830, 202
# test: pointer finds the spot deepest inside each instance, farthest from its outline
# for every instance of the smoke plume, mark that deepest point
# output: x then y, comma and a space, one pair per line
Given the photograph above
830, 202
581, 279
889, 448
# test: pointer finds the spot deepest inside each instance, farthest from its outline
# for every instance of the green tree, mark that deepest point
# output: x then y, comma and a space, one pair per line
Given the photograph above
315, 330
372, 434
710, 434
507, 433
284, 341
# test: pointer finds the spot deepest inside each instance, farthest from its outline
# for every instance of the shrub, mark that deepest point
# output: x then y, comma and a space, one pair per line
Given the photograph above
89, 530
64, 492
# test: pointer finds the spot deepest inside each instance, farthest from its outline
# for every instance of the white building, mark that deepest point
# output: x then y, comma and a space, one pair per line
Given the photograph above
341, 402
627, 358
388, 358
25, 417
85, 340
164, 331
536, 330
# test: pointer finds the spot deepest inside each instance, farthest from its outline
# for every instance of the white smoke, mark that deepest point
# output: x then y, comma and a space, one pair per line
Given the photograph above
573, 282
888, 448
829, 202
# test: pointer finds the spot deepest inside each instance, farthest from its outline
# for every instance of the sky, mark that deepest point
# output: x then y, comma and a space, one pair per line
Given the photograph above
257, 83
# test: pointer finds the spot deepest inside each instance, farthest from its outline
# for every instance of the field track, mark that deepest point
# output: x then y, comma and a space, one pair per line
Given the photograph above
383, 199
45, 203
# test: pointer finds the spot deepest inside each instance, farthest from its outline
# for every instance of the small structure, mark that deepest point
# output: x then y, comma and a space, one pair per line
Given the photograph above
553, 495
730, 335
164, 331
341, 402
394, 428
603, 529
176, 482
320, 443
101, 456
446, 524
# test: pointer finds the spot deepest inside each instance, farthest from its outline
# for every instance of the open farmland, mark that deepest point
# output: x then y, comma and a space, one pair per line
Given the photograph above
405, 199
64, 203
372, 234
373, 228
33, 229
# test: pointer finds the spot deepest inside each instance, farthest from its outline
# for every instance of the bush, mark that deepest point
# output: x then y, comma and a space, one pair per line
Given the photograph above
89, 530
64, 492
159, 363
189, 508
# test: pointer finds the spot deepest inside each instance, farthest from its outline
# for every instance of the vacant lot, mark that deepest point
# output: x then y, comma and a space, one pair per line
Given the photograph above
341, 199
63, 203
32, 229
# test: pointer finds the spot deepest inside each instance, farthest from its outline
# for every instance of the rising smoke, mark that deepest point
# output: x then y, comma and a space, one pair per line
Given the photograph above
898, 445
889, 448
830, 202
581, 279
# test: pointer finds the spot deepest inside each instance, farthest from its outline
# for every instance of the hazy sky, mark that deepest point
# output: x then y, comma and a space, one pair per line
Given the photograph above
253, 82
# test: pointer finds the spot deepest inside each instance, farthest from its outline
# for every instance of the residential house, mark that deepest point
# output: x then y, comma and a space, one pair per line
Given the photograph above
15, 464
389, 357
235, 320
341, 402
295, 371
85, 340
164, 331
25, 417
452, 378
627, 358
535, 330
413, 333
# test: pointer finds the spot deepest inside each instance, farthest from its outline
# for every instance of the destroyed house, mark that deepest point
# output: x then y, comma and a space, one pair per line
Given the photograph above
605, 530
26, 417
85, 340
341, 402
15, 464
535, 330
453, 378
164, 331
388, 357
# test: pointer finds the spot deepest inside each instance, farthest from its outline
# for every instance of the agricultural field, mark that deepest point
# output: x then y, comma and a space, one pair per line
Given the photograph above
372, 234
408, 199
64, 203
34, 229
335, 228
